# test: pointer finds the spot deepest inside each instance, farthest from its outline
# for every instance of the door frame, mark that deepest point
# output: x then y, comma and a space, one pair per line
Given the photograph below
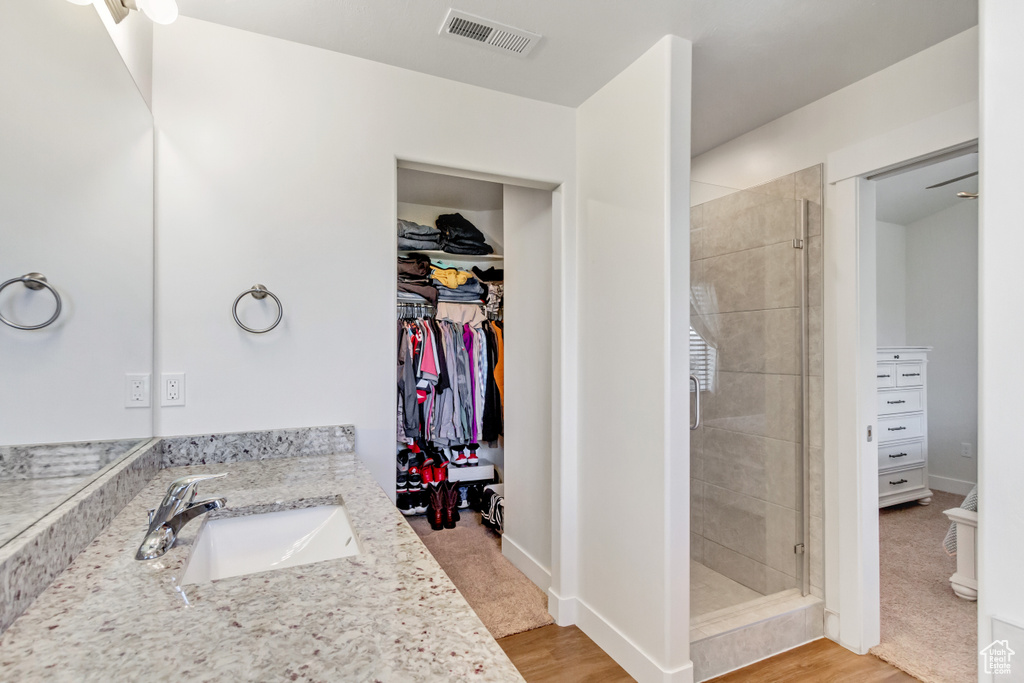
852, 590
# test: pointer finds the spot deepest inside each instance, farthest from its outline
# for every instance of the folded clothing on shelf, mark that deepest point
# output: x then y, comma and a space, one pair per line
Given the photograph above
459, 236
472, 290
415, 236
492, 274
414, 277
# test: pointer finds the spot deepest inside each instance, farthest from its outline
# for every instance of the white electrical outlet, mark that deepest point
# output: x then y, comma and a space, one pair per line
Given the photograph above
136, 391
173, 389
965, 450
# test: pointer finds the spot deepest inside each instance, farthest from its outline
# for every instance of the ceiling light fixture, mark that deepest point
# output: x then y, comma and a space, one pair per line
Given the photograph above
159, 11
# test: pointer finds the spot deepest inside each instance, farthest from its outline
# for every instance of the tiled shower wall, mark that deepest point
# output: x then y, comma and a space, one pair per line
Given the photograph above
746, 480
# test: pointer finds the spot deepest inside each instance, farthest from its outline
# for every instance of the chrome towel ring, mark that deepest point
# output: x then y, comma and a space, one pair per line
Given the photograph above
35, 282
258, 292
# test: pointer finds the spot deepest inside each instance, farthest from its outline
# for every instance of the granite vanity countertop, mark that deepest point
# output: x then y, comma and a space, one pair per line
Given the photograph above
387, 614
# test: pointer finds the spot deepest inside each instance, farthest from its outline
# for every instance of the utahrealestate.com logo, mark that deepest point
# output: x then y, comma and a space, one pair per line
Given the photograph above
996, 657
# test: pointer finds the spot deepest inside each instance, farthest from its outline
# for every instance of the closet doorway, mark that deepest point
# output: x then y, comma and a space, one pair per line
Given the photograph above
926, 280
476, 257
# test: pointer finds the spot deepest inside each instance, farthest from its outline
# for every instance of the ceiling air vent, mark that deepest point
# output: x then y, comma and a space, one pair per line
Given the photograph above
494, 35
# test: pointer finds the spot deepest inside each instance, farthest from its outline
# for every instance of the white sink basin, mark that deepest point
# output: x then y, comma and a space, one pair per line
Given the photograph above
273, 540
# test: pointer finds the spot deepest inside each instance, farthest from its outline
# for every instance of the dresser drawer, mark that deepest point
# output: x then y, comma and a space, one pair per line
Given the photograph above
900, 427
886, 375
900, 455
894, 482
909, 374
909, 401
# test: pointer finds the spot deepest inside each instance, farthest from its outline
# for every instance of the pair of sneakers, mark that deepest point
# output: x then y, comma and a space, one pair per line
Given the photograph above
412, 503
465, 456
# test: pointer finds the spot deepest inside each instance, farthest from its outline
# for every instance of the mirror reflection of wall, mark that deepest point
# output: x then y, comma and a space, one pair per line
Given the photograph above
927, 277
76, 204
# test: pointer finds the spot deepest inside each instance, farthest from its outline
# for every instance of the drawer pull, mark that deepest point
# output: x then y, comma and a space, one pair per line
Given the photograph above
892, 403
896, 356
911, 374
896, 429
898, 455
883, 376
897, 483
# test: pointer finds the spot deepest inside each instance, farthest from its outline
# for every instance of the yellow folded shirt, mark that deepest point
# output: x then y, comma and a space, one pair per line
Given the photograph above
451, 277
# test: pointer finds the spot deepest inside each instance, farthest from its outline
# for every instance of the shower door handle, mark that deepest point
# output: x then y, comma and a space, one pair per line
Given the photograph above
696, 408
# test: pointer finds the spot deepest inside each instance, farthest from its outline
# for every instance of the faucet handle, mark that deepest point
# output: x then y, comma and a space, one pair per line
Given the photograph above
185, 487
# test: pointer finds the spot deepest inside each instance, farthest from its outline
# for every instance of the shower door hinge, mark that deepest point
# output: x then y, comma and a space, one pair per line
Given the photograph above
798, 244
798, 549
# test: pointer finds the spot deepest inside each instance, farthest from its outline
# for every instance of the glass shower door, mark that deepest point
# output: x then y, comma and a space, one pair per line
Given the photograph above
751, 345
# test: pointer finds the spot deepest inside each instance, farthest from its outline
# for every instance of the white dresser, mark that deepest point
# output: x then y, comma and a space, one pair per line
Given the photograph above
903, 425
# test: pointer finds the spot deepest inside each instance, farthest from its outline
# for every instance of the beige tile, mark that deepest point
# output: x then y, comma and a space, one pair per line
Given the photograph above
696, 507
696, 548
776, 581
734, 649
747, 220
697, 454
807, 184
711, 591
815, 340
739, 568
817, 551
696, 244
783, 533
783, 407
814, 266
734, 282
735, 521
783, 466
782, 341
740, 340
816, 411
736, 462
817, 477
815, 620
697, 217
737, 403
781, 276
784, 187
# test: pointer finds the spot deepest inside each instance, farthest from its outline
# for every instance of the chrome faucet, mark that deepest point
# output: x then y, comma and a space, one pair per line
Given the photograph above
177, 509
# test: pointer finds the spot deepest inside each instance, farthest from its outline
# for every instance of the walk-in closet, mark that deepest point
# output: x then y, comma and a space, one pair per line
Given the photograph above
453, 362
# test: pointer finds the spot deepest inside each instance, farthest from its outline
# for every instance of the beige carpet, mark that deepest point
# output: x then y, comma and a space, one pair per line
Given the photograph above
501, 595
926, 630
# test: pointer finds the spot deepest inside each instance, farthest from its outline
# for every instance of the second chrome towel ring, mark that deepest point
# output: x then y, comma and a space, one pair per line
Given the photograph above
34, 281
258, 292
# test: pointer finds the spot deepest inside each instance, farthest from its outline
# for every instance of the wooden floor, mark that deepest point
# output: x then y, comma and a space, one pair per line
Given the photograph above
561, 655
558, 654
821, 661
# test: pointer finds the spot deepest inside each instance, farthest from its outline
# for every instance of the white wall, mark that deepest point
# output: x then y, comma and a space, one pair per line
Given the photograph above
933, 81
76, 204
1001, 363
923, 103
276, 164
529, 247
891, 268
133, 38
633, 514
942, 312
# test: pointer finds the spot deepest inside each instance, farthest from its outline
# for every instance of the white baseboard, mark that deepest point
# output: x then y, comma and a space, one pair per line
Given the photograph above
526, 563
957, 486
562, 609
625, 652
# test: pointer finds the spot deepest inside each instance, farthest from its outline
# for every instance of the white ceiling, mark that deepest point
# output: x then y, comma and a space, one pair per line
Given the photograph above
904, 199
754, 60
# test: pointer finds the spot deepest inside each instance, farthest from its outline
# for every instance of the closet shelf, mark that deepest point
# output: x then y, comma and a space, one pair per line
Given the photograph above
481, 472
445, 256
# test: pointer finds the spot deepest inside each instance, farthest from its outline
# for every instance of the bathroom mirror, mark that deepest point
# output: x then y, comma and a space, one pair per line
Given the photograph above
76, 206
